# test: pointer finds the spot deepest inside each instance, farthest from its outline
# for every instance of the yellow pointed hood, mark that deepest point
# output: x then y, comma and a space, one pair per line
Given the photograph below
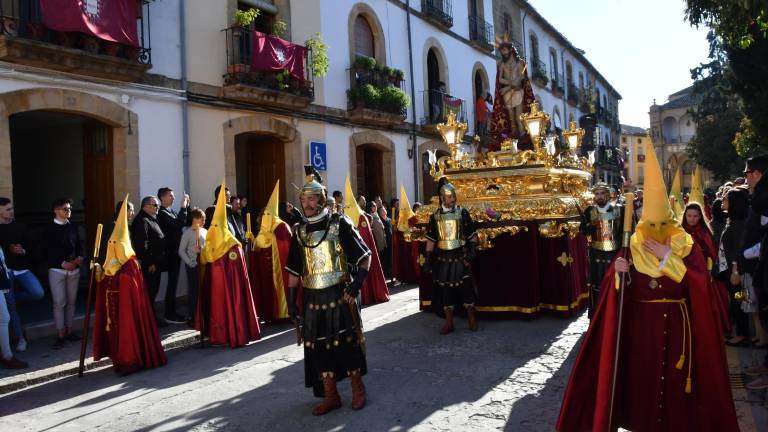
697, 194
219, 239
656, 207
270, 219
405, 210
119, 249
676, 191
351, 208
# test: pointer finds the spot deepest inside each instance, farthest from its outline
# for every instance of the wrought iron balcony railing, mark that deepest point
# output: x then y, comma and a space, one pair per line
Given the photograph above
438, 10
22, 19
480, 31
377, 90
240, 56
438, 104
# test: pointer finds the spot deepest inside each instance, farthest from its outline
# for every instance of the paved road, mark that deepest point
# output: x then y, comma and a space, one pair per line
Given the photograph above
508, 376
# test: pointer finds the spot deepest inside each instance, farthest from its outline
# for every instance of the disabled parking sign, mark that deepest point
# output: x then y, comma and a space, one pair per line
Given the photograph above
318, 156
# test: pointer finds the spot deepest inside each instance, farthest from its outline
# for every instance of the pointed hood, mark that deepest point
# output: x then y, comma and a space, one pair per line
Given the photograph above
405, 210
351, 208
219, 239
656, 207
676, 192
119, 249
697, 193
270, 219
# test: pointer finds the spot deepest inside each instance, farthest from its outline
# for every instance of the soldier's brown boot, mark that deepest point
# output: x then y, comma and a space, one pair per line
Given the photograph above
448, 326
331, 400
358, 390
471, 318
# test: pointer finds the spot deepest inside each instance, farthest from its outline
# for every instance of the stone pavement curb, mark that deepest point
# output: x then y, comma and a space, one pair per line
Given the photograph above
177, 340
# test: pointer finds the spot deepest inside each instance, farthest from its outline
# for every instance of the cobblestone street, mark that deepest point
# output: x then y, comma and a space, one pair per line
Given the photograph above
508, 376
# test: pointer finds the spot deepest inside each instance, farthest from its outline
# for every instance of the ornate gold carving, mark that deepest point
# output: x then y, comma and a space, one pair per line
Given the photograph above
564, 259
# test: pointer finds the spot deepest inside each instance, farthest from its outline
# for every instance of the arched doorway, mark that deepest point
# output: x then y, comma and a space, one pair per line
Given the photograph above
435, 86
370, 171
76, 154
260, 162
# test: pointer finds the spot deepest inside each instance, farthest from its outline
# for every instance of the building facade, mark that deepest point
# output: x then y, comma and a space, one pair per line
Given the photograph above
568, 87
633, 142
672, 128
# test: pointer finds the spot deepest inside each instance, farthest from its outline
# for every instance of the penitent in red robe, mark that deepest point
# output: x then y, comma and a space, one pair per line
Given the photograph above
650, 391
262, 280
702, 237
374, 289
226, 307
405, 256
124, 327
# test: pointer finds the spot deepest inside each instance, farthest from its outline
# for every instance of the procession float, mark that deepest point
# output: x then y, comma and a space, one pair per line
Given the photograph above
526, 197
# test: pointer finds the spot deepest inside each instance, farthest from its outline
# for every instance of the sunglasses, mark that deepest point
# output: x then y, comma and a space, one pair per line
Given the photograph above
66, 209
748, 171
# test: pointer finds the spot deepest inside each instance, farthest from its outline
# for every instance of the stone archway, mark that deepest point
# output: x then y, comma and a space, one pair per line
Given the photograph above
387, 147
268, 126
378, 32
123, 124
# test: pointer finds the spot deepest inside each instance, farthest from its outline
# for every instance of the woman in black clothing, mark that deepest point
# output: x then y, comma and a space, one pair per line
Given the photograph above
736, 205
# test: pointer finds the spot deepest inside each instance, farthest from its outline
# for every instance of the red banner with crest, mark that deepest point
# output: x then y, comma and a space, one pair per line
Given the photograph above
109, 20
270, 53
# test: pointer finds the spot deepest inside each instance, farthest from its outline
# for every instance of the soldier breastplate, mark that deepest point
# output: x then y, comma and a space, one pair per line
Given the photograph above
604, 237
449, 231
325, 264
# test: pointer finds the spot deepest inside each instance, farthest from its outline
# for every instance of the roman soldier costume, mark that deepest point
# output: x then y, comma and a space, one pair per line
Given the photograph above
331, 259
602, 227
451, 248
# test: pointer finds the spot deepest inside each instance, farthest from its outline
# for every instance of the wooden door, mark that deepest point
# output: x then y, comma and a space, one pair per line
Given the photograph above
370, 170
266, 165
429, 185
98, 177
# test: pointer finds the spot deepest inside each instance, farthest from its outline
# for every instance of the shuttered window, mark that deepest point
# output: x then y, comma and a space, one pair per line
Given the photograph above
363, 38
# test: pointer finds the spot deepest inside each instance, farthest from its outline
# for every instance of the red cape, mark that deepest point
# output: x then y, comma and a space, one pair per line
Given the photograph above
262, 281
226, 305
703, 238
374, 288
708, 408
501, 124
405, 255
132, 340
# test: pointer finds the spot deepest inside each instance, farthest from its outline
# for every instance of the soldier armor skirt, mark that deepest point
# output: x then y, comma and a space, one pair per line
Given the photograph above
451, 279
599, 261
330, 338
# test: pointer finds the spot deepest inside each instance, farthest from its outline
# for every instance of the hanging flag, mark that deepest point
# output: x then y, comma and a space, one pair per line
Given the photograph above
270, 53
109, 20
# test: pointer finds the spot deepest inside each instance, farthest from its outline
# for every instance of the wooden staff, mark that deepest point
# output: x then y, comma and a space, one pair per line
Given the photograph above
628, 212
200, 274
91, 287
248, 231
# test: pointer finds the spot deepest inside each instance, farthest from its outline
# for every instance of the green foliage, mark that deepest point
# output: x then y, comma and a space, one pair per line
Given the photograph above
399, 74
365, 62
282, 79
369, 94
746, 141
320, 63
246, 18
388, 71
279, 28
713, 148
394, 100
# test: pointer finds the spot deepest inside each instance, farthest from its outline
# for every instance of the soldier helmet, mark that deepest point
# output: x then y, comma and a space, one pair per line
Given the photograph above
314, 184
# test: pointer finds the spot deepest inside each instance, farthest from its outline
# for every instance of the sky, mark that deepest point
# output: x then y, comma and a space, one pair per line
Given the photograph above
644, 48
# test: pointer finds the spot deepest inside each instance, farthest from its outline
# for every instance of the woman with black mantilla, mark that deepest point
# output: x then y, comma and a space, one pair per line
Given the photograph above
323, 248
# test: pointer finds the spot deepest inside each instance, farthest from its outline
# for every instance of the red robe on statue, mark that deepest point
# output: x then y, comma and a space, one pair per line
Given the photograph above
703, 238
374, 289
226, 307
265, 296
405, 256
502, 124
650, 389
124, 327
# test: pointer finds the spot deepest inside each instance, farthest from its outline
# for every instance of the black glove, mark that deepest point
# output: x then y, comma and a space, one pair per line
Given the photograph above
353, 289
293, 312
471, 251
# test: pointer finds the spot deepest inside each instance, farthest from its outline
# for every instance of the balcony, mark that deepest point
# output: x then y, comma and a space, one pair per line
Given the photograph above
437, 105
558, 84
539, 73
258, 77
573, 94
25, 39
480, 33
438, 12
376, 96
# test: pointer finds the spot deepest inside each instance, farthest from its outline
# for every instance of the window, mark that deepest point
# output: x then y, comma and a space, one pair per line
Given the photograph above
534, 48
623, 140
639, 141
581, 80
364, 43
553, 63
568, 73
506, 24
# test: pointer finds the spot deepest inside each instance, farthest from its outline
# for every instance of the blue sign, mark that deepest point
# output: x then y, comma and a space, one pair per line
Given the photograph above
318, 156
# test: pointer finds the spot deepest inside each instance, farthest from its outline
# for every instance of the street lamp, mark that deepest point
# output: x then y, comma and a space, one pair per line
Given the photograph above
535, 122
452, 133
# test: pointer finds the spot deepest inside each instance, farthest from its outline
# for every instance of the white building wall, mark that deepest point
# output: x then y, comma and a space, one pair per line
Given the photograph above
164, 23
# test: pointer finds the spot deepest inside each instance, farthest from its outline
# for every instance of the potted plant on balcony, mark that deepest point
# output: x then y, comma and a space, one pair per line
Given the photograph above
242, 19
397, 77
279, 28
282, 79
364, 64
370, 95
394, 100
319, 62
